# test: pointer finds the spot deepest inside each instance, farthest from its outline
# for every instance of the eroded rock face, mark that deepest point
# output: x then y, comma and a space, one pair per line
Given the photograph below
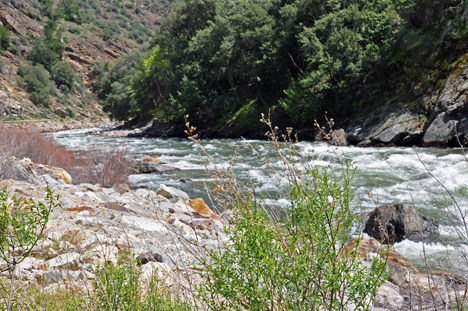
445, 126
394, 223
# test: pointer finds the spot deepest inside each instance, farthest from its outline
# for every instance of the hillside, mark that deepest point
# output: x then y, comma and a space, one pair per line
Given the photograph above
362, 63
87, 35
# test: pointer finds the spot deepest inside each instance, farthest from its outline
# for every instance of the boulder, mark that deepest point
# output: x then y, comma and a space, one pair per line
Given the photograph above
339, 138
152, 167
59, 173
13, 168
441, 132
398, 128
200, 206
172, 193
394, 223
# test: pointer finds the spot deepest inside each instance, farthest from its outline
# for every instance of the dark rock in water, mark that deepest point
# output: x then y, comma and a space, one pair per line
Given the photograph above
147, 257
394, 223
152, 167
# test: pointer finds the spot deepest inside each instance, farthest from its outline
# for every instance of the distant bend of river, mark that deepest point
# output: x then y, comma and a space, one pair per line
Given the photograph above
390, 175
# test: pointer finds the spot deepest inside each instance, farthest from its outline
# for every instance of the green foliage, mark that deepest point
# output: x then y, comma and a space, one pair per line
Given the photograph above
36, 81
292, 259
48, 49
70, 11
303, 57
113, 86
22, 223
64, 75
4, 38
118, 287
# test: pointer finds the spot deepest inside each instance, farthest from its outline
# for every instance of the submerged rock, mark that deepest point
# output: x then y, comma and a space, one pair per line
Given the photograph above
394, 223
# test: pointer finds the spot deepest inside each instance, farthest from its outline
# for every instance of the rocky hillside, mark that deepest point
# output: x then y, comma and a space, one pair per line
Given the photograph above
438, 117
91, 34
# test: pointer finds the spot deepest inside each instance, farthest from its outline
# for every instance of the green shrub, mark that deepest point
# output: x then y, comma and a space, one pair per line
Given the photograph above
48, 49
4, 38
36, 81
293, 258
64, 75
118, 287
22, 223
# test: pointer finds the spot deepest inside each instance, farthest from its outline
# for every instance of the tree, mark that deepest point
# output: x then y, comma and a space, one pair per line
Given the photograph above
48, 49
36, 81
64, 75
4, 38
113, 86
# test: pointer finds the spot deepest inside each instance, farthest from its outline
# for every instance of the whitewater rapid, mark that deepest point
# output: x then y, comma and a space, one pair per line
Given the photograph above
419, 177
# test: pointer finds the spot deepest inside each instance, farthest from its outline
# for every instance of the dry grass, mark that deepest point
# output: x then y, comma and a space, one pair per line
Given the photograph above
95, 166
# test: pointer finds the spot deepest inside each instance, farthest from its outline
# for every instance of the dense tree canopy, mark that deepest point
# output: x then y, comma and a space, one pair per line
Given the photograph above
212, 59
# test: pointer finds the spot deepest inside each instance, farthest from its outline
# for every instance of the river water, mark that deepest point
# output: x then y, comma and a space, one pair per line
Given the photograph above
382, 176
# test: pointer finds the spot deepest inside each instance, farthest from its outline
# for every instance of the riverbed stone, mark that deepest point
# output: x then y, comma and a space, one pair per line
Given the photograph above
148, 257
64, 260
172, 193
200, 206
67, 203
441, 132
339, 138
394, 223
73, 236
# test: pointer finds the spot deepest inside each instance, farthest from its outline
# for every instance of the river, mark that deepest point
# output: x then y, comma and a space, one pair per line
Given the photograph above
390, 175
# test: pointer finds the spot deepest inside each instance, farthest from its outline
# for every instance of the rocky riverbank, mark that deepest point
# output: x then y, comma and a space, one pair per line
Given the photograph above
94, 225
165, 228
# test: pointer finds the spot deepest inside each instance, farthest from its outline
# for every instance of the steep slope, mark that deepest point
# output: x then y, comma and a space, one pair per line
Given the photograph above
92, 33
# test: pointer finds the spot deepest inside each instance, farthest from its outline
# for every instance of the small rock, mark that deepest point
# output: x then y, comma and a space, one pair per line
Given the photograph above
67, 203
147, 257
64, 260
117, 207
80, 209
172, 193
152, 159
183, 227
200, 206
73, 236
51, 253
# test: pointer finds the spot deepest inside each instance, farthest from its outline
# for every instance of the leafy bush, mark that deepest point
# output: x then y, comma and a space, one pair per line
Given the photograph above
293, 258
36, 81
48, 49
118, 287
63, 74
4, 38
22, 222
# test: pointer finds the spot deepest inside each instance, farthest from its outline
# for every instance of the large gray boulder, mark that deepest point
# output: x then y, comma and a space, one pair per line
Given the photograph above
387, 127
394, 223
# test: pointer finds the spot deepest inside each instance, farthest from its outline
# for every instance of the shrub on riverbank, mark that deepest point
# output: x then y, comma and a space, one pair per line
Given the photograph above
293, 257
96, 166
